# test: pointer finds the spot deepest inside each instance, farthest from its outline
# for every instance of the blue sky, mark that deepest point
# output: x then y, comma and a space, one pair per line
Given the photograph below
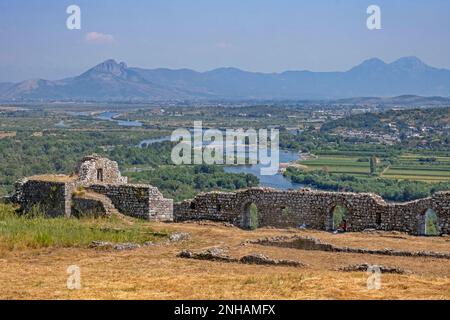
255, 35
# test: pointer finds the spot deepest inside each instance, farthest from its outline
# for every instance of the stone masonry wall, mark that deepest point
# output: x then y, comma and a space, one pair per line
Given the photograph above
57, 199
51, 197
89, 167
161, 209
141, 201
314, 209
56, 194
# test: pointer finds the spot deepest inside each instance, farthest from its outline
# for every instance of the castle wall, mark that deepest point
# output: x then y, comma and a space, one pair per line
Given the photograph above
314, 209
50, 197
55, 194
95, 169
140, 201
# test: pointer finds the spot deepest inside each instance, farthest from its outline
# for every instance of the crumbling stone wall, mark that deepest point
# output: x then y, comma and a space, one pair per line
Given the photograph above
141, 201
161, 209
51, 197
96, 169
314, 209
55, 194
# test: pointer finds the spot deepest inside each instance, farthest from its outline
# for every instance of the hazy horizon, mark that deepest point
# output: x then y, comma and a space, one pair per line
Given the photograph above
231, 67
257, 36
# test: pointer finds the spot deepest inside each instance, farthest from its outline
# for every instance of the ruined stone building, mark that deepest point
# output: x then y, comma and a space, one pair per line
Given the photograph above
97, 187
316, 210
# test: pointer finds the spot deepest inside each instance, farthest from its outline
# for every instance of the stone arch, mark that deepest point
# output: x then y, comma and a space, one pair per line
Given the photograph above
429, 223
337, 213
250, 217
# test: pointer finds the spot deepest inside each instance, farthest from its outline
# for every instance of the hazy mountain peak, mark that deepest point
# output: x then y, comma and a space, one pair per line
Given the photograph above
111, 80
110, 66
369, 64
373, 61
409, 59
409, 62
227, 70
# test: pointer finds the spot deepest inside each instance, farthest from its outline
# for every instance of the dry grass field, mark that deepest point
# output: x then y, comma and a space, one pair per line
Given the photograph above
155, 272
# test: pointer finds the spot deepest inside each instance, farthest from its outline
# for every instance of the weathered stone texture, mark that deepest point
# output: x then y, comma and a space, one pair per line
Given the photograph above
141, 201
101, 178
46, 196
277, 208
313, 209
94, 169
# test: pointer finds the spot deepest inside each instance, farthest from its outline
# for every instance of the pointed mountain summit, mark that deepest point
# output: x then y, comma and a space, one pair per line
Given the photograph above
110, 66
369, 65
110, 69
113, 81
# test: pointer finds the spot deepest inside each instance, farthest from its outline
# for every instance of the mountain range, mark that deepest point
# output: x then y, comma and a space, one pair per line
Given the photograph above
113, 81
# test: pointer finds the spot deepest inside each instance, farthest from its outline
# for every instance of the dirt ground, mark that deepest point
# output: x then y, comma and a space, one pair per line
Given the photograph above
155, 272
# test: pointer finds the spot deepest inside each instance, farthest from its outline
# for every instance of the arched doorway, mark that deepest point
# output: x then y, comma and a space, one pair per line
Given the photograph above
338, 218
250, 218
429, 225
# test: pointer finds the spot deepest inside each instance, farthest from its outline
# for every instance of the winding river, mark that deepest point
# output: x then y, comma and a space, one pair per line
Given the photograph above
277, 181
110, 116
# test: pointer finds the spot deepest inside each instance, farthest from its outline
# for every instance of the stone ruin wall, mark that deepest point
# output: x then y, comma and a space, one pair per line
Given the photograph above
314, 209
88, 168
55, 198
55, 194
140, 201
275, 207
161, 209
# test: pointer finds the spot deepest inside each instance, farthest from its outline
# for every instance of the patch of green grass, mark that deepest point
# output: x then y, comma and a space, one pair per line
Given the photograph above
338, 164
36, 231
405, 167
425, 173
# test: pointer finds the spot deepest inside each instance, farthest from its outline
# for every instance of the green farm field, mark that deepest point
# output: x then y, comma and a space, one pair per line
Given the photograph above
419, 168
405, 167
338, 164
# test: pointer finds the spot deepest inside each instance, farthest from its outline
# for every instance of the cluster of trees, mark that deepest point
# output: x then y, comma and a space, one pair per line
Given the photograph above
320, 142
366, 121
391, 190
184, 182
59, 152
